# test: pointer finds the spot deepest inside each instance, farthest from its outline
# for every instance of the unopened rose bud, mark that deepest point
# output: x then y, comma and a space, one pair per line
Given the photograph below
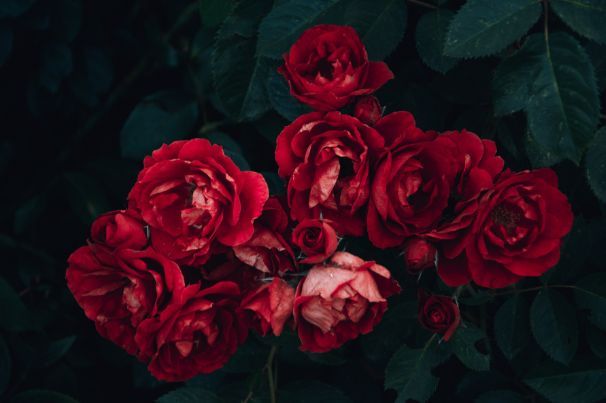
419, 255
368, 110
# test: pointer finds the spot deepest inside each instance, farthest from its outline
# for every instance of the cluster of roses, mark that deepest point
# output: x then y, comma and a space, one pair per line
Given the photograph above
202, 255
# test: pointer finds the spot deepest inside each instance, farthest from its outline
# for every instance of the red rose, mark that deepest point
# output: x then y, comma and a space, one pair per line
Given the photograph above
328, 66
268, 249
368, 110
191, 193
119, 290
339, 301
517, 232
438, 314
412, 181
269, 306
327, 159
419, 255
316, 238
423, 176
196, 333
119, 229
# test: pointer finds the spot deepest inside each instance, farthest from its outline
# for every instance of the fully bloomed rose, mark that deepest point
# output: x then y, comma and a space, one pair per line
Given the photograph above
196, 333
269, 250
327, 158
118, 290
328, 66
517, 231
269, 306
340, 300
316, 238
438, 314
191, 194
423, 178
119, 229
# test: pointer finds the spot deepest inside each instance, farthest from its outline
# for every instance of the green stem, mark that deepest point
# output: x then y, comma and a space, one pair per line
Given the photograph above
423, 4
515, 291
270, 374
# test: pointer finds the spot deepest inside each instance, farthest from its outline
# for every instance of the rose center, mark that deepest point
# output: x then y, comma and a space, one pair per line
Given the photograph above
507, 216
325, 68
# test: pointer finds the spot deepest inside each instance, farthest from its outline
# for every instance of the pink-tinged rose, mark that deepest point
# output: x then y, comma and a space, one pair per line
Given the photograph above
328, 66
196, 333
191, 194
438, 314
120, 229
268, 307
269, 250
368, 110
516, 232
316, 238
327, 160
340, 300
118, 290
418, 255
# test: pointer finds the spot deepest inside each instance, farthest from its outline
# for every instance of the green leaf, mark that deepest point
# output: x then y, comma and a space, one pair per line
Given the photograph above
14, 8
189, 394
597, 54
511, 326
249, 357
514, 76
499, 396
539, 156
66, 17
380, 24
87, 200
5, 365
431, 36
311, 392
484, 27
239, 72
584, 16
563, 108
14, 316
56, 64
42, 396
231, 148
280, 98
55, 351
6, 43
590, 294
285, 23
409, 372
596, 339
464, 345
213, 12
596, 164
580, 383
554, 325
160, 118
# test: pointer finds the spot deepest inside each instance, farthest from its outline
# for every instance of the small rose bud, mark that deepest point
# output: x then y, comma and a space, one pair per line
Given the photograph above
419, 255
368, 110
438, 314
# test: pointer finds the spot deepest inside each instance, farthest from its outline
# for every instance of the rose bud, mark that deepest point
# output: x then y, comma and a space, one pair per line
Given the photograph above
316, 238
197, 333
192, 195
119, 229
516, 232
419, 255
341, 300
119, 290
328, 66
327, 160
368, 110
438, 314
268, 250
269, 306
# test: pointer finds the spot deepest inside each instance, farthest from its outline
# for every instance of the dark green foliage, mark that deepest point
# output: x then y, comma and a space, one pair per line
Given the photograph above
90, 88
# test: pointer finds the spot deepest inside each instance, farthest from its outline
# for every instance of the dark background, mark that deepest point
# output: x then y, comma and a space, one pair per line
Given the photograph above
87, 88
